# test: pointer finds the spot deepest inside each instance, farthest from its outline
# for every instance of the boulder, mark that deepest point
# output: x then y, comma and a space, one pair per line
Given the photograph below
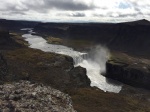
25, 96
79, 78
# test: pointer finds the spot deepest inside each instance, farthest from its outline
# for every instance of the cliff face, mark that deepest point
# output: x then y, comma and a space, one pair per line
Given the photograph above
132, 37
79, 77
6, 42
48, 68
135, 74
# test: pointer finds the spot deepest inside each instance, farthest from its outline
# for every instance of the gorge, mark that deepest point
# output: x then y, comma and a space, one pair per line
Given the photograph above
93, 66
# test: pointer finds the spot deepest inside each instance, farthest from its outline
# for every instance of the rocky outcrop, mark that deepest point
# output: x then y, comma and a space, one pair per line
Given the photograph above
6, 42
48, 68
133, 74
25, 96
79, 77
3, 68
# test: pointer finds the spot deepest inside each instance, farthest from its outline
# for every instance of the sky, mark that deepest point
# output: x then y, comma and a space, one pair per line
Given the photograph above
75, 10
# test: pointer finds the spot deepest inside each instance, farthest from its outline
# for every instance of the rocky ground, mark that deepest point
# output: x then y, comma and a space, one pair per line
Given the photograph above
25, 96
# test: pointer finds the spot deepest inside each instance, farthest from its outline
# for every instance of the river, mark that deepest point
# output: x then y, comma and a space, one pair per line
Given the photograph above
93, 67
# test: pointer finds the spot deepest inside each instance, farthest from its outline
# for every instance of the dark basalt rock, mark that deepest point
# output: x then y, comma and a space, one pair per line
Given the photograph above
79, 77
6, 42
48, 68
136, 75
3, 68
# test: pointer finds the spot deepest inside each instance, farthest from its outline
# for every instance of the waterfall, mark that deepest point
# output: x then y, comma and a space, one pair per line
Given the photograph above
79, 59
94, 61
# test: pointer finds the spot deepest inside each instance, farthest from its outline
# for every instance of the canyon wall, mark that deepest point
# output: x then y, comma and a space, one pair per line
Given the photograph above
131, 37
135, 75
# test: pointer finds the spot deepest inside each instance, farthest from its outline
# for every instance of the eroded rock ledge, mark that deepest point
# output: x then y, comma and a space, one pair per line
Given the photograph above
135, 74
24, 96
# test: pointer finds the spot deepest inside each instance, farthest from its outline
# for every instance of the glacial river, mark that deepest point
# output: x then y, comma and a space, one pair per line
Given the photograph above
82, 59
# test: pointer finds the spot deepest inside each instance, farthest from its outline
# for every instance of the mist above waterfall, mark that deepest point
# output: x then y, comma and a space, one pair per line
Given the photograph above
99, 55
95, 63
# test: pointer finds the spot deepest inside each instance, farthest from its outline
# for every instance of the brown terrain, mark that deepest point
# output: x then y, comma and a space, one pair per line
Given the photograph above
18, 62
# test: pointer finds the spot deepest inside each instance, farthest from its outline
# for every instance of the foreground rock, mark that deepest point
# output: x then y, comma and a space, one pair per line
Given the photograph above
25, 96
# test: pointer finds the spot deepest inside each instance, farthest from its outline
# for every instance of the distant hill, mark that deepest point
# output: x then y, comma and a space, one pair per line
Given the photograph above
16, 25
139, 22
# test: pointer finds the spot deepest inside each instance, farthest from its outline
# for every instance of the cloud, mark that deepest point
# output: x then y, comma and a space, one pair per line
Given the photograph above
13, 13
75, 10
11, 5
78, 15
65, 5
72, 14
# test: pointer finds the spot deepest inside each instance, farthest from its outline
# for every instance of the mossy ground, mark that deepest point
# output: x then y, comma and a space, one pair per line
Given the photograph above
35, 65
95, 100
78, 44
17, 37
119, 58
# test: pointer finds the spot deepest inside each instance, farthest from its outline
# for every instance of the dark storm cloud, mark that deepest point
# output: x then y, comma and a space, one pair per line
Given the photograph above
70, 5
